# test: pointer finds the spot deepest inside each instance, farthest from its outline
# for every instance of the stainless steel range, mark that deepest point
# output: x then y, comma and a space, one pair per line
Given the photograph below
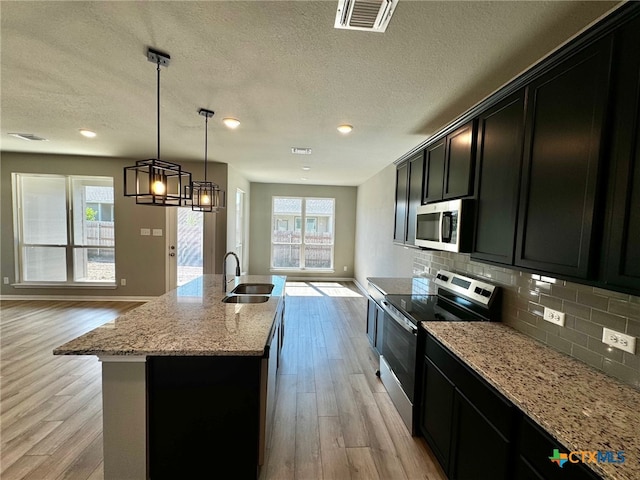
459, 299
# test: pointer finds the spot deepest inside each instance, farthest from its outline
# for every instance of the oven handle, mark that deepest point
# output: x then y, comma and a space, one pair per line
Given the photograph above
404, 323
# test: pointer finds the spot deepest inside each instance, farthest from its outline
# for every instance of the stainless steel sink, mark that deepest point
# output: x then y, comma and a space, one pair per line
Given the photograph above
253, 289
245, 298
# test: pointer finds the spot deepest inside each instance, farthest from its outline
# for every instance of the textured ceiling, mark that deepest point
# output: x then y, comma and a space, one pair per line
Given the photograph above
280, 67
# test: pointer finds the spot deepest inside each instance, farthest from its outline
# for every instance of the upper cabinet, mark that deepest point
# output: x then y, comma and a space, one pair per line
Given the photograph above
409, 184
449, 166
622, 236
498, 160
564, 136
402, 188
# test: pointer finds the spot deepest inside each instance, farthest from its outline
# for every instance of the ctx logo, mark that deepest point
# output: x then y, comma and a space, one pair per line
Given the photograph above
587, 456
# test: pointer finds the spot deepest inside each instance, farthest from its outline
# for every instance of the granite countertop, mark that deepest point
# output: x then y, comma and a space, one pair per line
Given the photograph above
190, 320
403, 286
581, 407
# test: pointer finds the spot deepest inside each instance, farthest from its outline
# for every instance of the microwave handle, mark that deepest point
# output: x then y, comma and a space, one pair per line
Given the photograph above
446, 227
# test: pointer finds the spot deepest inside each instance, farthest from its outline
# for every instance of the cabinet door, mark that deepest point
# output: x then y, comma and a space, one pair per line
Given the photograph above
434, 172
400, 227
499, 160
458, 175
379, 327
372, 311
562, 164
416, 179
436, 412
623, 252
536, 446
480, 451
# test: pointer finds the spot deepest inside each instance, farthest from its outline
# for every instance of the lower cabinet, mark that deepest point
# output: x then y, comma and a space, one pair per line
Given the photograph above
468, 424
535, 448
478, 434
375, 318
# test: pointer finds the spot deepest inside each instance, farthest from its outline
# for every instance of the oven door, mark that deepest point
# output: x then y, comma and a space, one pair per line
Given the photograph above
399, 348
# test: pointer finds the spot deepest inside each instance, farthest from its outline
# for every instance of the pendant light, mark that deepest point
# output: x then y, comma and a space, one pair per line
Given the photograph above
206, 196
154, 181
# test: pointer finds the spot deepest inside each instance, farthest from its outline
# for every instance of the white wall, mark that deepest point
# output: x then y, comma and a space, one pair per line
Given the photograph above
375, 253
236, 181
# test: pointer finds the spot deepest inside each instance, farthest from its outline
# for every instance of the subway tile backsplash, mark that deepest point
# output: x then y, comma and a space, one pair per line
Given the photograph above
587, 310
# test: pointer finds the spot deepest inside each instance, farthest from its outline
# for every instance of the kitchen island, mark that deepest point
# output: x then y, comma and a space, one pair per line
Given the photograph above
188, 382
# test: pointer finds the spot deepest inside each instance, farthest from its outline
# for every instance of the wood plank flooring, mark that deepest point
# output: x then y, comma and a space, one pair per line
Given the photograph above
333, 419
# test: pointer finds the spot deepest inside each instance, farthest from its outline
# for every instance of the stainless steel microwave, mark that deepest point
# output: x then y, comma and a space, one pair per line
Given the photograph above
445, 226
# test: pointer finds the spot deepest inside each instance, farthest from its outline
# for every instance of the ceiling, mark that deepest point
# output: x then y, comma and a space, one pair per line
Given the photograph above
279, 67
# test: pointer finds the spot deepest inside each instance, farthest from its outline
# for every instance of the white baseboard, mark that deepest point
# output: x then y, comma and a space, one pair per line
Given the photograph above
321, 279
80, 298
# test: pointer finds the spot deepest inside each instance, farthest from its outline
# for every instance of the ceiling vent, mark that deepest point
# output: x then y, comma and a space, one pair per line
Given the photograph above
368, 15
28, 136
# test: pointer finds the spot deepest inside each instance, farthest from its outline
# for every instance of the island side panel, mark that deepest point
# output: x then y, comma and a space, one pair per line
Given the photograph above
204, 416
124, 418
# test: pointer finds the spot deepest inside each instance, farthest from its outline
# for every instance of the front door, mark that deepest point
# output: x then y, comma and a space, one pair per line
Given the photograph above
185, 240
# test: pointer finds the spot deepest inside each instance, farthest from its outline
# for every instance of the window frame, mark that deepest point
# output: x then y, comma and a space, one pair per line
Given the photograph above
71, 248
301, 220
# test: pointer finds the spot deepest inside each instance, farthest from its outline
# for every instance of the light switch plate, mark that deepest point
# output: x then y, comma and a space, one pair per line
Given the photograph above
554, 316
157, 232
145, 232
619, 340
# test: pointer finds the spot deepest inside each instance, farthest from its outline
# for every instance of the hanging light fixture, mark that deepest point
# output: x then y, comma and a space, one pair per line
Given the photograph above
206, 196
155, 181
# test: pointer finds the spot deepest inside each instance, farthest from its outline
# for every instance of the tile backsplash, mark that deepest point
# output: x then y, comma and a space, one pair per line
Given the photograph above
587, 310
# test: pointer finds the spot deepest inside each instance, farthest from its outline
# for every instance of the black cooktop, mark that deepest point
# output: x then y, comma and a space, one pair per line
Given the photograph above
442, 307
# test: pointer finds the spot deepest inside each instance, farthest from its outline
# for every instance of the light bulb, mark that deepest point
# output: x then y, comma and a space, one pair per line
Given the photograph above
231, 122
344, 129
205, 199
158, 188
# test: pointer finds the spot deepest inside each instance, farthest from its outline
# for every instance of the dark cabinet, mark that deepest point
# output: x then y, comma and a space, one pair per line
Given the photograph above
436, 416
563, 142
498, 164
622, 255
535, 446
409, 182
375, 316
481, 450
434, 171
449, 166
402, 187
469, 426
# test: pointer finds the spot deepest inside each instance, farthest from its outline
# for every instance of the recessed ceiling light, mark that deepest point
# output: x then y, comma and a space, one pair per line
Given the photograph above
29, 136
304, 178
345, 128
87, 133
306, 169
232, 123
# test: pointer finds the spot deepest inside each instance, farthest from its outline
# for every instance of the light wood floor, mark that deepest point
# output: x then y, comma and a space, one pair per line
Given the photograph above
334, 419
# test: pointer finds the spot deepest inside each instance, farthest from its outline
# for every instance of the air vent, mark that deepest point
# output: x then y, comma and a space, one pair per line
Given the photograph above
301, 150
28, 136
368, 15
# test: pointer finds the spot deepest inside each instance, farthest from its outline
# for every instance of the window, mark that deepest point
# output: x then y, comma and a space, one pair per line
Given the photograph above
65, 228
302, 233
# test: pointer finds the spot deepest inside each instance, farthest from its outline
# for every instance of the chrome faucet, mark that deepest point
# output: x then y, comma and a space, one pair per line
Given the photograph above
224, 269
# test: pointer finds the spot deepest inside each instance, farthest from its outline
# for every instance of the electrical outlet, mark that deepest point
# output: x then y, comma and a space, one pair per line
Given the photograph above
5, 280
619, 340
554, 316
345, 268
123, 282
